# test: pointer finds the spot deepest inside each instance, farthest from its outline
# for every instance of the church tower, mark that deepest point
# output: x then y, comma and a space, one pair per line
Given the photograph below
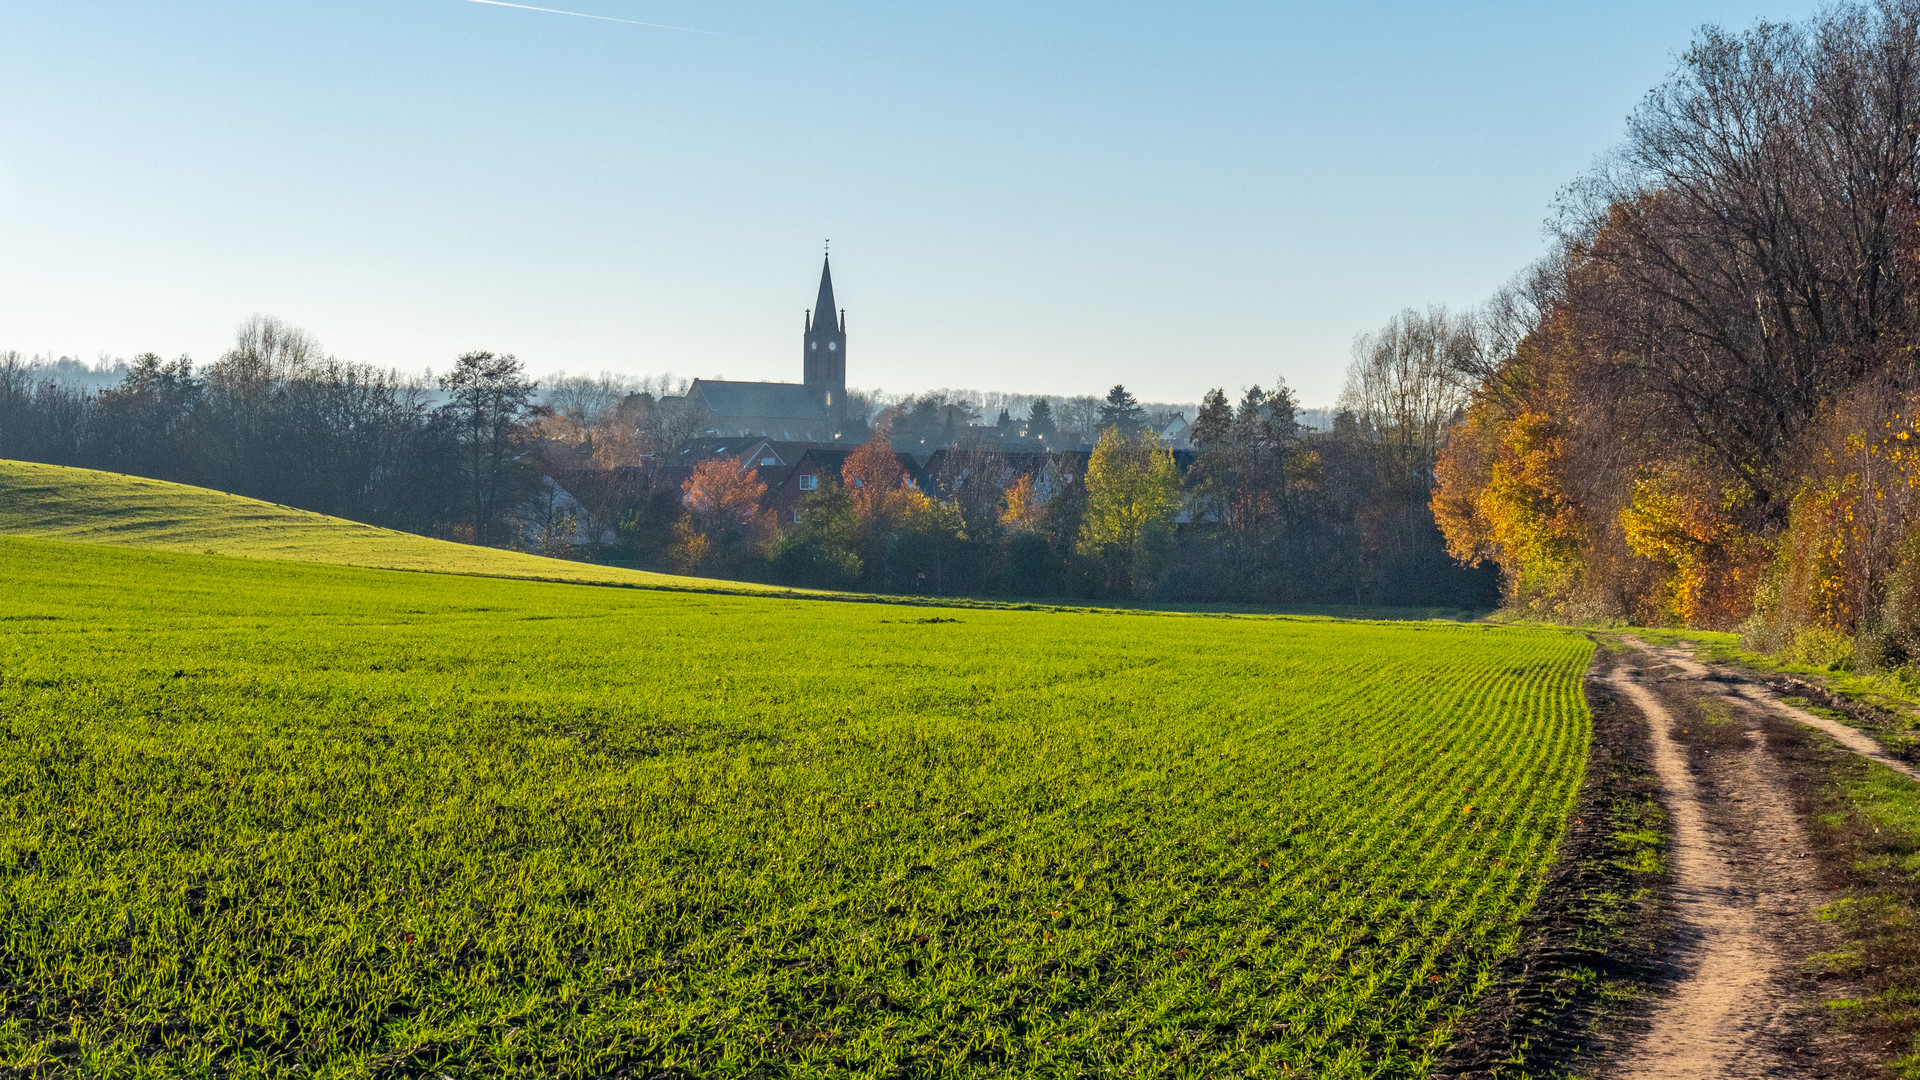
826, 344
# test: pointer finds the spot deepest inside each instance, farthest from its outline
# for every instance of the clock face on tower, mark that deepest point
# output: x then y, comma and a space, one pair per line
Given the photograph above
813, 345
833, 346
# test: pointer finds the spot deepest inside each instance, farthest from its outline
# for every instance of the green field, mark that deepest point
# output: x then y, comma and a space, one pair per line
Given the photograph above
259, 817
60, 503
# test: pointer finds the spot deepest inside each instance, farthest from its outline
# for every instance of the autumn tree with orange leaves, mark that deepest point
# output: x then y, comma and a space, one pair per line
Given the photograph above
882, 494
724, 520
907, 540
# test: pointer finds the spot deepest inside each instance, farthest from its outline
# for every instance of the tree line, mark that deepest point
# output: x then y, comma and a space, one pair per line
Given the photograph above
1701, 405
275, 418
1261, 509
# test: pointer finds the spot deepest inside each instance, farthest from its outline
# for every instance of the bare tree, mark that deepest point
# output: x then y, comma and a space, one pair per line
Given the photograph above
1404, 382
265, 351
586, 402
1742, 252
1078, 418
671, 421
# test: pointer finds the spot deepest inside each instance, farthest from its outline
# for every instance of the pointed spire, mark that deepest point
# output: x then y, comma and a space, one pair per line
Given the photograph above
823, 307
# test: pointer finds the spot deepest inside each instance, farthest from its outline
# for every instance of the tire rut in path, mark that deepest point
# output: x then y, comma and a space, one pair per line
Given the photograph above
1850, 737
1743, 893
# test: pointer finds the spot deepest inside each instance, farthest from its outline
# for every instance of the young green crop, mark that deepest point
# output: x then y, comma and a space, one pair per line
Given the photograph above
56, 502
258, 817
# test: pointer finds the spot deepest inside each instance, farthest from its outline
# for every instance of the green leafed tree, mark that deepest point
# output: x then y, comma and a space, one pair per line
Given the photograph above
820, 549
1133, 493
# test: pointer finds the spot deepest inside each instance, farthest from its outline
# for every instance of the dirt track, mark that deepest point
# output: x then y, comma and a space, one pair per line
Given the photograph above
1740, 1000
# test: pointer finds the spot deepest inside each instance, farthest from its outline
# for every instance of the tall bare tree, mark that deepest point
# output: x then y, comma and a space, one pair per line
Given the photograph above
1404, 382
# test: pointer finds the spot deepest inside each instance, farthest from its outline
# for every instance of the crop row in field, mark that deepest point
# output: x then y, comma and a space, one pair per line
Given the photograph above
257, 816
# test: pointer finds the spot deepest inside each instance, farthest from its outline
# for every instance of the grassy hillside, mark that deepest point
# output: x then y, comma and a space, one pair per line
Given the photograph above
258, 816
61, 503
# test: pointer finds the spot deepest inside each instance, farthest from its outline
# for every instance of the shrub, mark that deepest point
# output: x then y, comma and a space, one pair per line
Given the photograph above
1817, 646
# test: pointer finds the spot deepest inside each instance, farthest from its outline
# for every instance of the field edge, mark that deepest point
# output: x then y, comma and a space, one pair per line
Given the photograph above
1588, 956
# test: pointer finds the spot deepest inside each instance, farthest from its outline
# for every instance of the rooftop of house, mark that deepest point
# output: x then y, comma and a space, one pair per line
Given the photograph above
748, 450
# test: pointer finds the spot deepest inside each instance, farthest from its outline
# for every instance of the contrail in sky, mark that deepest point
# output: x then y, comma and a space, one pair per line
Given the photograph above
602, 18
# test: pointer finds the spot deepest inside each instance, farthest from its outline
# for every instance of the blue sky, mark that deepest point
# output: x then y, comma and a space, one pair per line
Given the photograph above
1023, 197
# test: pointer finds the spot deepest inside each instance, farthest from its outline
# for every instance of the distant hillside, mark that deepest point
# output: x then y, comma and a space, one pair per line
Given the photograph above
89, 506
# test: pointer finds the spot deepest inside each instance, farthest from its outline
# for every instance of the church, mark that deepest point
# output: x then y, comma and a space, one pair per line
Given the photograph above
812, 410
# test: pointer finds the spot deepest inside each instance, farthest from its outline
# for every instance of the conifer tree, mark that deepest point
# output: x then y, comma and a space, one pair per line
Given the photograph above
1040, 423
1121, 411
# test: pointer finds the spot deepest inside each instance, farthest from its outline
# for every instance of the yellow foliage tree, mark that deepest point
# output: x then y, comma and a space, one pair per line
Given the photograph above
1498, 495
1851, 522
1714, 567
1025, 509
1133, 493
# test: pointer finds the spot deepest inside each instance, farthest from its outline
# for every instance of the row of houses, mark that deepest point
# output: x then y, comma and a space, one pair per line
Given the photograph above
793, 470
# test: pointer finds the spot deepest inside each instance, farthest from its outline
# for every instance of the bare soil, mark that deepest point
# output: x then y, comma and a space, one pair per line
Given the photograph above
1743, 994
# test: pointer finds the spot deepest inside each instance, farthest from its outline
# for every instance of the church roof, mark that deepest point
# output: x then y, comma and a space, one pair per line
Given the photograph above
792, 412
769, 400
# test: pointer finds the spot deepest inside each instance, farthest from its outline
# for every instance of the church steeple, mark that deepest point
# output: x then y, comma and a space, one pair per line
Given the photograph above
825, 343
825, 301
